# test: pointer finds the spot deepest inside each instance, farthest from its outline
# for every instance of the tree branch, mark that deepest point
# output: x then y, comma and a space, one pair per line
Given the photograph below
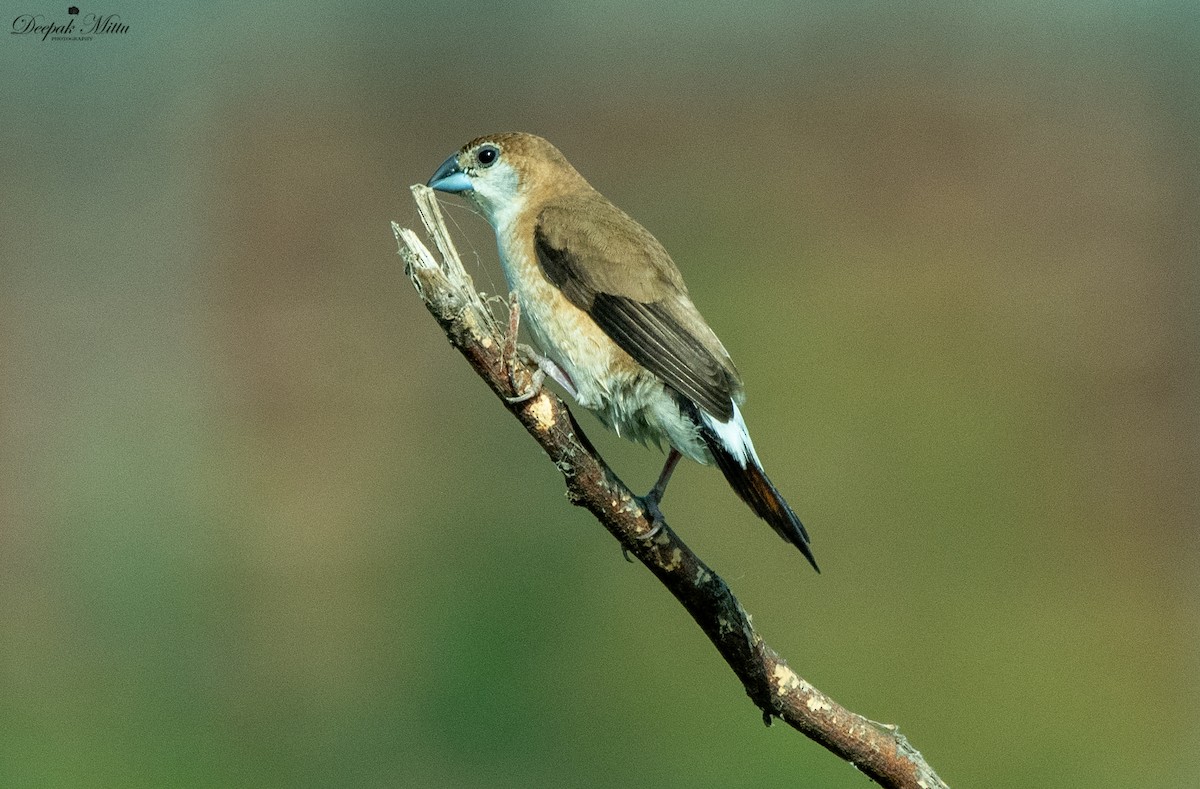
879, 750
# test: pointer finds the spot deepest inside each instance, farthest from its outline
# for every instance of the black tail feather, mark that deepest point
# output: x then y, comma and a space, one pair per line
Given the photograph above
754, 488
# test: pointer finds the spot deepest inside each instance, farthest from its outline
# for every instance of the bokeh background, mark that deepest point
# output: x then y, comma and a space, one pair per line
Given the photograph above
259, 526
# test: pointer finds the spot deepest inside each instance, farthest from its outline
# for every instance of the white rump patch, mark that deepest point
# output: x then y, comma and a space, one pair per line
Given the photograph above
734, 436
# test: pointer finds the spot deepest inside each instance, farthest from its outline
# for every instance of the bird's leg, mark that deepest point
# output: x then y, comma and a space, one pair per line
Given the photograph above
514, 324
660, 487
510, 354
651, 500
545, 365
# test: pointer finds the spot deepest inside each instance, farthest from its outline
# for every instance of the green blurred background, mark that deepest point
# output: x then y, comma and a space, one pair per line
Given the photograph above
260, 526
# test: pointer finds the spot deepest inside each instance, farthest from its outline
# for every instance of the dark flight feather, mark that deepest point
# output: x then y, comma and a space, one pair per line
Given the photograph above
756, 489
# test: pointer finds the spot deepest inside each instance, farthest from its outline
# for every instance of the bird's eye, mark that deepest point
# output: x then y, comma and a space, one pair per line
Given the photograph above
487, 155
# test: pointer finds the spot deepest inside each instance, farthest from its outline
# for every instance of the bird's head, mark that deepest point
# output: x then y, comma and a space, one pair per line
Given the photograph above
500, 173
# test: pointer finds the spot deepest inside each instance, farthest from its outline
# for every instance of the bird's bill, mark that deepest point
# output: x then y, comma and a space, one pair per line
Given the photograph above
450, 177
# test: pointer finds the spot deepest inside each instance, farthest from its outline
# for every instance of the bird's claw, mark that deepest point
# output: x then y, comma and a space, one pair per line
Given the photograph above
535, 386
512, 350
650, 504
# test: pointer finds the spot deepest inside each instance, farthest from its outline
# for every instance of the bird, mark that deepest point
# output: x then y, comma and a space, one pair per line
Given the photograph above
612, 319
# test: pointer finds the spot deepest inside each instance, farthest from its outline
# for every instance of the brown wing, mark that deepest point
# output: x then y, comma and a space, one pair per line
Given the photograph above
610, 267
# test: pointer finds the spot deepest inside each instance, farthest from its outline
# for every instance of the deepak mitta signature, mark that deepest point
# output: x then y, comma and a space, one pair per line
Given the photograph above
88, 26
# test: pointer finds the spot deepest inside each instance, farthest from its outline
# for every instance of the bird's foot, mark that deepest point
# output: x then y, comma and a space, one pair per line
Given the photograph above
512, 350
649, 503
533, 388
652, 499
545, 365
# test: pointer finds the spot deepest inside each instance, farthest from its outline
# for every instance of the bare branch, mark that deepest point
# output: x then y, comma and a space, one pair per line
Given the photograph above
878, 750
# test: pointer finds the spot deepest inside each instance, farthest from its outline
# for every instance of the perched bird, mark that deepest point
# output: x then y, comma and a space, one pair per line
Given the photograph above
606, 305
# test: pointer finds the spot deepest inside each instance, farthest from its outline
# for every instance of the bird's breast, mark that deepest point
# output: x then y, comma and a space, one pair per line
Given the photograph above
623, 394
562, 331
